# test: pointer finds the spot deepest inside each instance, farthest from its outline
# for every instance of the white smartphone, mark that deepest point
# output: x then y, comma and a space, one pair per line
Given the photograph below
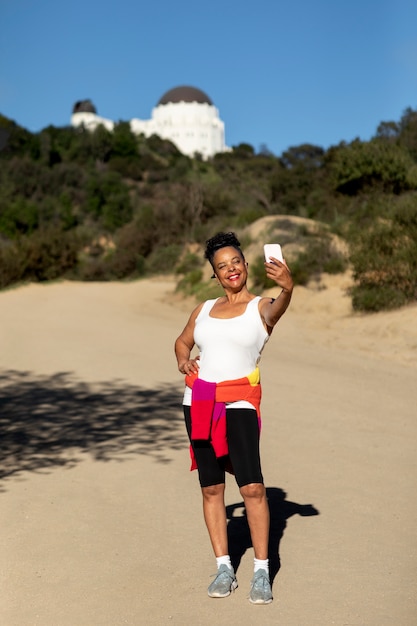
273, 249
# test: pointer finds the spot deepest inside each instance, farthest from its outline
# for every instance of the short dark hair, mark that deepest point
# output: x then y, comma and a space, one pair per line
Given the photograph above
221, 240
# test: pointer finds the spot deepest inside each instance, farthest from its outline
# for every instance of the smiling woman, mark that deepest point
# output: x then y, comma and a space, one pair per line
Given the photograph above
222, 402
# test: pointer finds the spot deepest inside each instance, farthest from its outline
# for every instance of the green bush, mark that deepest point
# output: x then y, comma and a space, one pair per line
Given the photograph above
192, 285
188, 283
189, 263
300, 272
384, 260
373, 298
248, 216
378, 163
163, 260
46, 255
115, 265
50, 254
107, 199
18, 217
12, 265
319, 256
258, 277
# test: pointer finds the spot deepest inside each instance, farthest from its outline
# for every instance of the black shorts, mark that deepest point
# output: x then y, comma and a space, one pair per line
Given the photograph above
242, 429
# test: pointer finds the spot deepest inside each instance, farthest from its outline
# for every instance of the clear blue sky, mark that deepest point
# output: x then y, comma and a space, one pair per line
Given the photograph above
280, 73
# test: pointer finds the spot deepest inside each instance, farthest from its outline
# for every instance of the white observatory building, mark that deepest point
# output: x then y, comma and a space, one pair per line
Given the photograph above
184, 115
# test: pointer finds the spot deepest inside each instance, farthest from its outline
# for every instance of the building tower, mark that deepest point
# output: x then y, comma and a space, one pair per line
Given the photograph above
184, 115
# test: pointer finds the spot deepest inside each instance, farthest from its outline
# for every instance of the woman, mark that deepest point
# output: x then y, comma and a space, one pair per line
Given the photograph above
221, 402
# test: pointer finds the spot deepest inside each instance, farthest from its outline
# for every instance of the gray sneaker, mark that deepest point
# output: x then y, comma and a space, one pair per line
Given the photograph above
224, 583
260, 590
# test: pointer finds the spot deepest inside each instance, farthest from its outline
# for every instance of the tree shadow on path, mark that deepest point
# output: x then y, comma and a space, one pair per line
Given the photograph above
280, 510
48, 421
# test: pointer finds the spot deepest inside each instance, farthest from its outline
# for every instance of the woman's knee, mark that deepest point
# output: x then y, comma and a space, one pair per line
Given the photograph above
253, 490
213, 491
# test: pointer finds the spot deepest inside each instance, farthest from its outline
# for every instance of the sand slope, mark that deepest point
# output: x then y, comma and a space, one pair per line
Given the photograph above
101, 519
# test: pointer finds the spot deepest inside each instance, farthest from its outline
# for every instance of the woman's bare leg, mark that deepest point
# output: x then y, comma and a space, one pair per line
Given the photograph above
257, 511
215, 517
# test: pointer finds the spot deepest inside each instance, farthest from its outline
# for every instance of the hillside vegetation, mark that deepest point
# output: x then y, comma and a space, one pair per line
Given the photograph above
109, 206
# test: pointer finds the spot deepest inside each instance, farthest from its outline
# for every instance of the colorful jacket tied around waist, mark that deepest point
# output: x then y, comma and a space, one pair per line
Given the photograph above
208, 408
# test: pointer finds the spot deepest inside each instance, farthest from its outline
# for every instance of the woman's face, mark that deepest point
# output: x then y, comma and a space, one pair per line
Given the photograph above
230, 268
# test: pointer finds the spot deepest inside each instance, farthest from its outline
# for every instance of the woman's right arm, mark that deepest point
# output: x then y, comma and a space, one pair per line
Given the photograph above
185, 343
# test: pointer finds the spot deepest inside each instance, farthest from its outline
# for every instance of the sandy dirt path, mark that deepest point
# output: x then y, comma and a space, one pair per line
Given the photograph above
100, 518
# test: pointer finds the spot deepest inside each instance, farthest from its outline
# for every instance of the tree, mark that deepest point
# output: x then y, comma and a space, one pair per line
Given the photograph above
296, 177
124, 142
374, 164
408, 132
107, 199
243, 151
388, 130
306, 156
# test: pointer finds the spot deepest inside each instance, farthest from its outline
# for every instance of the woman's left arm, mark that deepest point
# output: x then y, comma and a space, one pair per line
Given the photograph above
272, 310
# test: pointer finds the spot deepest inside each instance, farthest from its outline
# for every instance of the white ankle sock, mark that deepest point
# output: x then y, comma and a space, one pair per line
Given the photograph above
224, 560
261, 564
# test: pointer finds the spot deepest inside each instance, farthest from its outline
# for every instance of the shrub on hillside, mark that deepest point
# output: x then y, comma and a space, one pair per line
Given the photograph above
377, 164
12, 265
18, 217
163, 260
107, 200
188, 263
384, 260
192, 284
46, 255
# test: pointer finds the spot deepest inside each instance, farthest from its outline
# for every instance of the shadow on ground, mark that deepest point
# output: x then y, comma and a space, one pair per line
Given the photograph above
47, 421
280, 510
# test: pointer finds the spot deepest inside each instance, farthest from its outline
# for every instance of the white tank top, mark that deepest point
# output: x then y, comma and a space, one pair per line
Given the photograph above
229, 348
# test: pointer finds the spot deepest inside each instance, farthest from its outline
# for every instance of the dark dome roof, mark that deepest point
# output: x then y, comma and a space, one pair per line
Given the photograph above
84, 106
185, 94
